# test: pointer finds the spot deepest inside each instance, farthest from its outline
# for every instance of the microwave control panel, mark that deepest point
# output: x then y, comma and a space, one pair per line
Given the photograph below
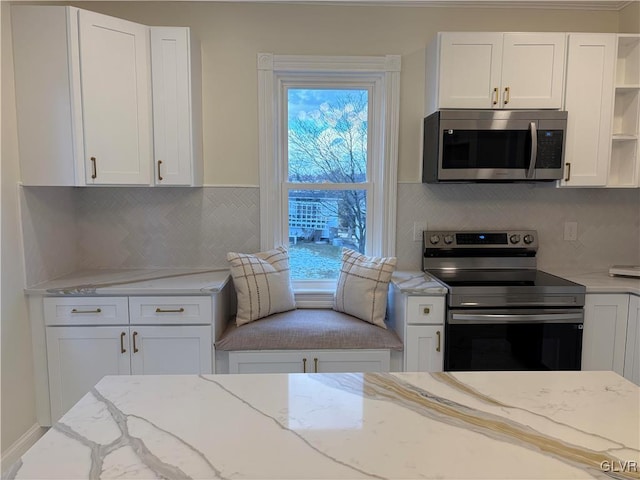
550, 148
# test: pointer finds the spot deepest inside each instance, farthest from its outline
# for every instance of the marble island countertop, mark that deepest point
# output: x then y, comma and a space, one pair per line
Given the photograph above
478, 425
143, 281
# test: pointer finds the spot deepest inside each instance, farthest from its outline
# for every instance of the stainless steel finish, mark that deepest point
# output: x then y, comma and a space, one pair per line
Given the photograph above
498, 120
491, 297
529, 239
534, 150
526, 115
516, 316
437, 238
477, 263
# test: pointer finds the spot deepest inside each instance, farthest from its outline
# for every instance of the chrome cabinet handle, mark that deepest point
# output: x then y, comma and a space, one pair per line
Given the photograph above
177, 310
438, 345
135, 348
304, 365
568, 177
315, 364
159, 175
507, 95
97, 310
94, 169
122, 349
496, 95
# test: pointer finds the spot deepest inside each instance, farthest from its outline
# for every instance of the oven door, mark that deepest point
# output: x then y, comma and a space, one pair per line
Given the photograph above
513, 339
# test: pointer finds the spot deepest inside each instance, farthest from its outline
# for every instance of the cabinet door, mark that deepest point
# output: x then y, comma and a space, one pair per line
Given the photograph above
632, 350
424, 346
172, 105
270, 362
78, 357
469, 70
533, 70
351, 361
589, 101
605, 330
170, 350
116, 99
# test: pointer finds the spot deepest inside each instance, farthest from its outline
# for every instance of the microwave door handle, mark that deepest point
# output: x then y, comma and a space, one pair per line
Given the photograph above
534, 149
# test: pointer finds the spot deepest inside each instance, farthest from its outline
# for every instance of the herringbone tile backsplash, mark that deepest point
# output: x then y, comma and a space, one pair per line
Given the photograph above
608, 220
126, 227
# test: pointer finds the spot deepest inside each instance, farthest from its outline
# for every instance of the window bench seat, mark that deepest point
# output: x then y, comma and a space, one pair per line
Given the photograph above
307, 340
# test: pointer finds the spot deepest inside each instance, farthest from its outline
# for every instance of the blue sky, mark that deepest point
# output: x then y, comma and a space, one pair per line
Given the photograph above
308, 100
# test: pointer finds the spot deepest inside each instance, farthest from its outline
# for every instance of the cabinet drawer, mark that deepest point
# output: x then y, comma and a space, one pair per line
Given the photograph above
86, 311
170, 310
425, 310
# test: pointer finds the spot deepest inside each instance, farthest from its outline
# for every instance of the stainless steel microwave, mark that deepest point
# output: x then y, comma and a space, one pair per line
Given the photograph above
493, 146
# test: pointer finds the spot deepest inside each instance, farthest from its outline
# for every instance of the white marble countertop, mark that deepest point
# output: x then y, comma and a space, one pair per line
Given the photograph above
417, 283
600, 281
477, 425
144, 281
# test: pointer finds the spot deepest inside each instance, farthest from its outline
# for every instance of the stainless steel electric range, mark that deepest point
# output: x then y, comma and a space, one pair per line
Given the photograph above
502, 312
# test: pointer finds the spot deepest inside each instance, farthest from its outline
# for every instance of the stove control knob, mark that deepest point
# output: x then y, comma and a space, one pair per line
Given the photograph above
515, 238
434, 239
448, 239
528, 239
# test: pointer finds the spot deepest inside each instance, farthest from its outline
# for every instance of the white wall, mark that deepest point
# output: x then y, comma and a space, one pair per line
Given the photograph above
18, 397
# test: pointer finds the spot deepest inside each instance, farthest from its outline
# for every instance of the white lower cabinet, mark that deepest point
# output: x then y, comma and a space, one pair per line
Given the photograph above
424, 348
78, 357
419, 322
309, 361
90, 337
605, 332
632, 348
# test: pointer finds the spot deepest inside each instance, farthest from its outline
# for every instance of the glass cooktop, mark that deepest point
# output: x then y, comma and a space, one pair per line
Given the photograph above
499, 278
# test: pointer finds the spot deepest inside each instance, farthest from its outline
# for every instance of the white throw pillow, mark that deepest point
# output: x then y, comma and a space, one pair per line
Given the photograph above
262, 283
363, 285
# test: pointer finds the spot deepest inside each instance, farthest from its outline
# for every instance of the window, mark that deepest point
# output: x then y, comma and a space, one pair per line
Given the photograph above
328, 158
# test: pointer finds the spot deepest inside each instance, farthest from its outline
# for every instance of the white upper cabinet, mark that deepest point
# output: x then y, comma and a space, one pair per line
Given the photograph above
495, 70
624, 166
603, 104
84, 100
588, 101
116, 100
83, 97
177, 106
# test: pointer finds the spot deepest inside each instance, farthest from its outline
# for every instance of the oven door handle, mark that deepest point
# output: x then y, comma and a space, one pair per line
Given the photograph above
459, 318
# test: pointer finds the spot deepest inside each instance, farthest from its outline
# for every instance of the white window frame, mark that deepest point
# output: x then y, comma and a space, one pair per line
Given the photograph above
381, 75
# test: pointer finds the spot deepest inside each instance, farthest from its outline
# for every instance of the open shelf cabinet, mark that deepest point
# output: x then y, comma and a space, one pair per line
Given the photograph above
624, 165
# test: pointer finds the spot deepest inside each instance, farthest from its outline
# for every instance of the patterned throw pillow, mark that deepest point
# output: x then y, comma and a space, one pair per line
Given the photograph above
362, 286
262, 283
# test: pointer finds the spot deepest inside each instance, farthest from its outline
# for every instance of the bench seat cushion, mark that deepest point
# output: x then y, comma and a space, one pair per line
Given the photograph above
307, 329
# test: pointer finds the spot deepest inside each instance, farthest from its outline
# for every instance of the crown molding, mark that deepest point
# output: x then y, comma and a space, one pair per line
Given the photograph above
613, 5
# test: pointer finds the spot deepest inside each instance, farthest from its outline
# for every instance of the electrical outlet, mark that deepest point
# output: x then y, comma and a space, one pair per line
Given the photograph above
418, 227
571, 231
